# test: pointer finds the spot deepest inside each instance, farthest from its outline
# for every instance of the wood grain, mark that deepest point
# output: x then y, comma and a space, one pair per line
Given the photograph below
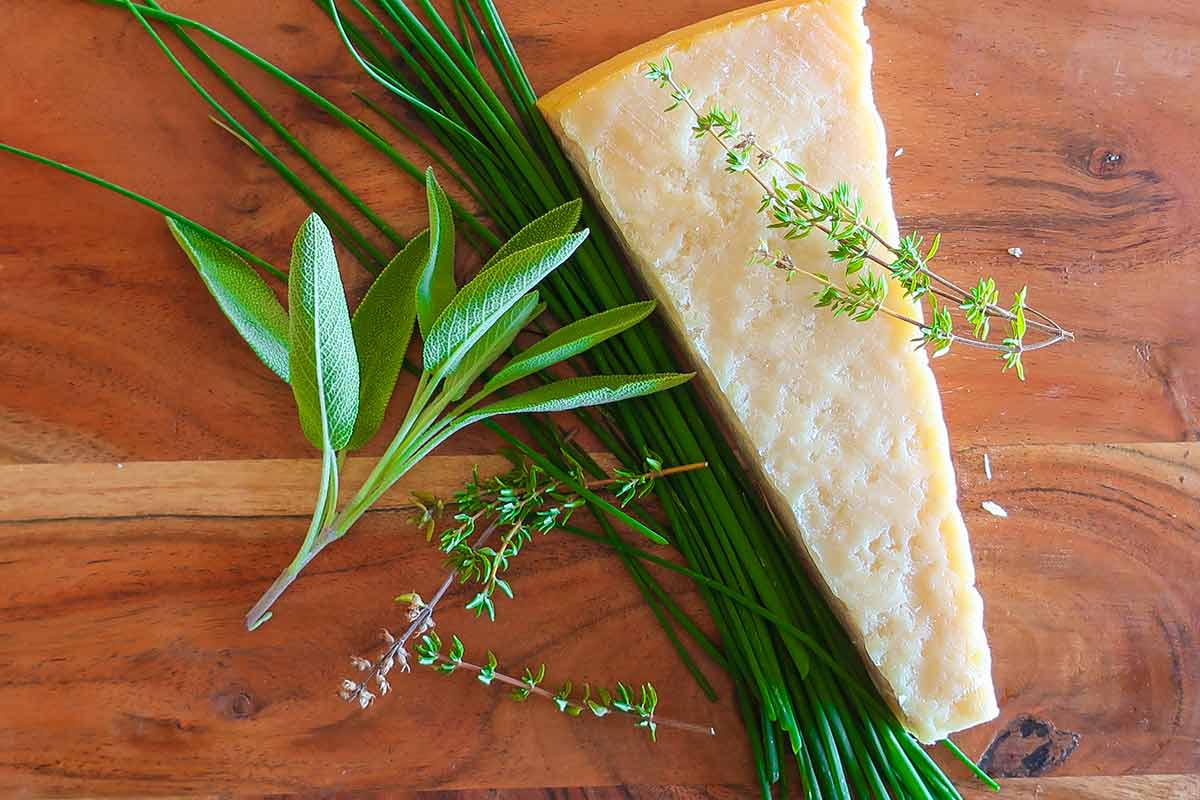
1160, 787
126, 671
153, 485
1141, 787
1066, 129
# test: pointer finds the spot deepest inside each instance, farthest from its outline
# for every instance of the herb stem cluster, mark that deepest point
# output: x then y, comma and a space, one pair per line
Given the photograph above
351, 365
521, 498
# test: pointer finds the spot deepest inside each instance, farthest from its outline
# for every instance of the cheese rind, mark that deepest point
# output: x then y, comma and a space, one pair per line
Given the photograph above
844, 417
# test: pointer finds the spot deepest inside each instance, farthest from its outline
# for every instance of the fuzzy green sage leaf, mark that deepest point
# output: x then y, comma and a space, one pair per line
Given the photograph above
497, 340
473, 311
383, 327
436, 287
323, 365
569, 341
591, 390
241, 294
554, 223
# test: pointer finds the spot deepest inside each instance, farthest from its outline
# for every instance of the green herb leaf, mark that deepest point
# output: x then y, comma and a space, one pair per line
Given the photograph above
598, 709
324, 365
246, 300
593, 390
436, 287
562, 698
569, 341
383, 326
551, 225
487, 672
498, 339
428, 649
474, 310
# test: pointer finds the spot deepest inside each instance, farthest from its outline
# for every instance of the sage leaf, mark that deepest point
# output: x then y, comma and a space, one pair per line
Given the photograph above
564, 395
245, 299
498, 339
569, 341
383, 327
473, 311
591, 390
324, 365
436, 287
554, 223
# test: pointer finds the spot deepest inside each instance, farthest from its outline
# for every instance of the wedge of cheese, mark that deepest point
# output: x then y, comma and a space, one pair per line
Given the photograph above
844, 417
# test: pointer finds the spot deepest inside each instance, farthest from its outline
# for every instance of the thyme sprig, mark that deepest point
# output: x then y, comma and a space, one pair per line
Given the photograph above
524, 496
525, 501
599, 701
797, 207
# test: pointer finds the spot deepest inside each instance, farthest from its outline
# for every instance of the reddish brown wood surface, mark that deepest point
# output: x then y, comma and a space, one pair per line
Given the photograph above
1129, 788
1067, 129
126, 670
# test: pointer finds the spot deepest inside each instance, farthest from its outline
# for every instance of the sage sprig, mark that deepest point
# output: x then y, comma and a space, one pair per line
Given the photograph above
797, 208
343, 369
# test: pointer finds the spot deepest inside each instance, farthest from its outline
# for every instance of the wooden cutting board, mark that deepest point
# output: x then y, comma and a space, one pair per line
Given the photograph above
153, 480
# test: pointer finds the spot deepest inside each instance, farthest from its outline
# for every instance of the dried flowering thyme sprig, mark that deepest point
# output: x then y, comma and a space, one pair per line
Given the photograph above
599, 701
797, 207
420, 620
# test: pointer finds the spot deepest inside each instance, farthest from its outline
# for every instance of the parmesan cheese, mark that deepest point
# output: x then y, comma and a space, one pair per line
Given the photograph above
844, 417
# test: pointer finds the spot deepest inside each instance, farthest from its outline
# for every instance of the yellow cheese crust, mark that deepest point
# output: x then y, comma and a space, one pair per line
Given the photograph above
843, 418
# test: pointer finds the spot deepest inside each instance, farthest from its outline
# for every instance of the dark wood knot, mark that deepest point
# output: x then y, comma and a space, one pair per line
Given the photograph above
246, 202
235, 703
1027, 748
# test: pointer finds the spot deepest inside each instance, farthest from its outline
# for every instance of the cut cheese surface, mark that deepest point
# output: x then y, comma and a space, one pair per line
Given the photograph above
844, 417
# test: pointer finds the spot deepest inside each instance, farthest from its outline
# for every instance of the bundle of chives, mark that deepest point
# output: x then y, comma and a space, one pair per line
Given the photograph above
841, 734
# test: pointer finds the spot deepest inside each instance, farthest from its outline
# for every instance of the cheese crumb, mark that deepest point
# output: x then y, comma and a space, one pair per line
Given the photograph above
1016, 252
899, 152
987, 466
994, 509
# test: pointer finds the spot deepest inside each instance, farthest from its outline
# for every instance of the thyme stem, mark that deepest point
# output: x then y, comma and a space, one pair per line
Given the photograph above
500, 677
653, 475
498, 559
